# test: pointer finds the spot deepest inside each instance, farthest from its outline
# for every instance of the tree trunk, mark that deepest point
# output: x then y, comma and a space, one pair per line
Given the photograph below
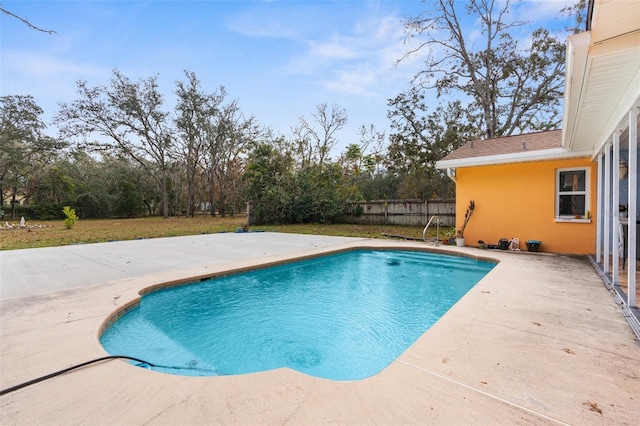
148, 207
212, 207
223, 207
13, 203
165, 195
191, 190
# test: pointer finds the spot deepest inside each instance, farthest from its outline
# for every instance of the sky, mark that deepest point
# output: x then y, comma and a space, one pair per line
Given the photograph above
279, 59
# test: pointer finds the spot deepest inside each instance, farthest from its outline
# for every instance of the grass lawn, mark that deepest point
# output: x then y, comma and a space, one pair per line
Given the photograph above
53, 233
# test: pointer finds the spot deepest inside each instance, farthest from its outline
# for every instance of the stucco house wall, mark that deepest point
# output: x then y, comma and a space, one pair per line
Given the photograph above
517, 200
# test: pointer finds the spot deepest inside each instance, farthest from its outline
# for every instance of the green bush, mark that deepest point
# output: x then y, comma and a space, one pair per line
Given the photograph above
70, 217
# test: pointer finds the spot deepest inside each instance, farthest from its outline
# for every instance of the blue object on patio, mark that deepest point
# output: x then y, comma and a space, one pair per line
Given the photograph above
533, 245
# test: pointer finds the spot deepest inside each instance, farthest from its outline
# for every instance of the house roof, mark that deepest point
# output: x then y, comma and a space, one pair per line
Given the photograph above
511, 149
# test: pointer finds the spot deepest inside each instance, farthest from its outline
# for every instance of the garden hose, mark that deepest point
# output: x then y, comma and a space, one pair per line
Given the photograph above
66, 370
140, 363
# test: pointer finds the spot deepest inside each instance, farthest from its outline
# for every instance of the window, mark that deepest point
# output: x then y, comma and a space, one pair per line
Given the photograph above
572, 193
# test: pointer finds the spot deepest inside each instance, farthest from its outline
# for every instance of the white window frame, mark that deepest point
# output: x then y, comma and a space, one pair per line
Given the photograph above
586, 215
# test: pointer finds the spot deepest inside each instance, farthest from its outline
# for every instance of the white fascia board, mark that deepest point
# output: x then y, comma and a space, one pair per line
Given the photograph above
521, 157
575, 74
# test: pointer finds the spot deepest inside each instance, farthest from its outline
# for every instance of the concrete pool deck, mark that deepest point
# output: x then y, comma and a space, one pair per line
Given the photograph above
539, 340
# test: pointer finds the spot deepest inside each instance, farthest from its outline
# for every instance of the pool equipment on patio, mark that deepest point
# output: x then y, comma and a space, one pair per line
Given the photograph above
533, 245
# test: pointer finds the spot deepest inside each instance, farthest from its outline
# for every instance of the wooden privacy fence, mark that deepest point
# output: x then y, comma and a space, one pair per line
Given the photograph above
404, 212
392, 212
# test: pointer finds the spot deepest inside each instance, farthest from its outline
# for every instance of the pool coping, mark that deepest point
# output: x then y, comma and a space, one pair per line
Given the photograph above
539, 339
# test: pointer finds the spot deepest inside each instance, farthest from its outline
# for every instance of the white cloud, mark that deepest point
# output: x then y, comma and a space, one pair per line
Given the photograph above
540, 10
332, 50
357, 81
49, 78
357, 59
265, 29
47, 66
360, 62
269, 21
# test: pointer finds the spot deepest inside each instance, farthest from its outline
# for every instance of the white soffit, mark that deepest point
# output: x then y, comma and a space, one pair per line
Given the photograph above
614, 18
612, 85
602, 86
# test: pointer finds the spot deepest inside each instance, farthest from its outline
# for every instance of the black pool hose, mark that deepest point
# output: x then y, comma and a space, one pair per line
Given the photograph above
66, 370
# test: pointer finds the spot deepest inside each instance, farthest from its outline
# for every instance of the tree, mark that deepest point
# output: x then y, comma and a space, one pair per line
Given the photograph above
128, 119
195, 111
283, 194
315, 144
233, 134
23, 146
128, 188
229, 133
76, 179
365, 156
509, 85
362, 165
268, 177
96, 186
419, 138
320, 195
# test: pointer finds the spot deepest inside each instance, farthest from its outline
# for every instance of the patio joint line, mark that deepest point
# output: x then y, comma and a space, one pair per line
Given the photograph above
497, 398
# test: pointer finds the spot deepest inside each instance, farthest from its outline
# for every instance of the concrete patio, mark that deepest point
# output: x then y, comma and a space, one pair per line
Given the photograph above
539, 340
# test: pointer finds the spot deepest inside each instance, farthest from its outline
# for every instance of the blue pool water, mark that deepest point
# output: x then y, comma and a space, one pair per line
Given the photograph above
345, 316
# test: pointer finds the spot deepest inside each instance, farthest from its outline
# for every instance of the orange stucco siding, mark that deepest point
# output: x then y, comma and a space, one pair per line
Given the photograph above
518, 201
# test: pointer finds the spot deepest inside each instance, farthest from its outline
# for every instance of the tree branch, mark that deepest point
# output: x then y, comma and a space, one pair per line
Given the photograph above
26, 22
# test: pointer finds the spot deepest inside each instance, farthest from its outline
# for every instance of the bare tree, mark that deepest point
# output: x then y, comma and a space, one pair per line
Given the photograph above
128, 119
316, 143
195, 110
230, 133
367, 155
512, 86
372, 144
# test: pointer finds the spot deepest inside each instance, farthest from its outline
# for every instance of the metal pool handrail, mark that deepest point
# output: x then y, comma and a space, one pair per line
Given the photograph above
424, 231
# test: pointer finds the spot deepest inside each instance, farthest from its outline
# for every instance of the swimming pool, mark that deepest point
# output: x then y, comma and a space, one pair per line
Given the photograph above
344, 316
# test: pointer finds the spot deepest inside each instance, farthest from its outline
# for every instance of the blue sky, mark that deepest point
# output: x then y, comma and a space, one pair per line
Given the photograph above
279, 59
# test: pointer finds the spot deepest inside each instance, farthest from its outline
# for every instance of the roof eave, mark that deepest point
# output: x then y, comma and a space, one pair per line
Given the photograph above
577, 56
521, 157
